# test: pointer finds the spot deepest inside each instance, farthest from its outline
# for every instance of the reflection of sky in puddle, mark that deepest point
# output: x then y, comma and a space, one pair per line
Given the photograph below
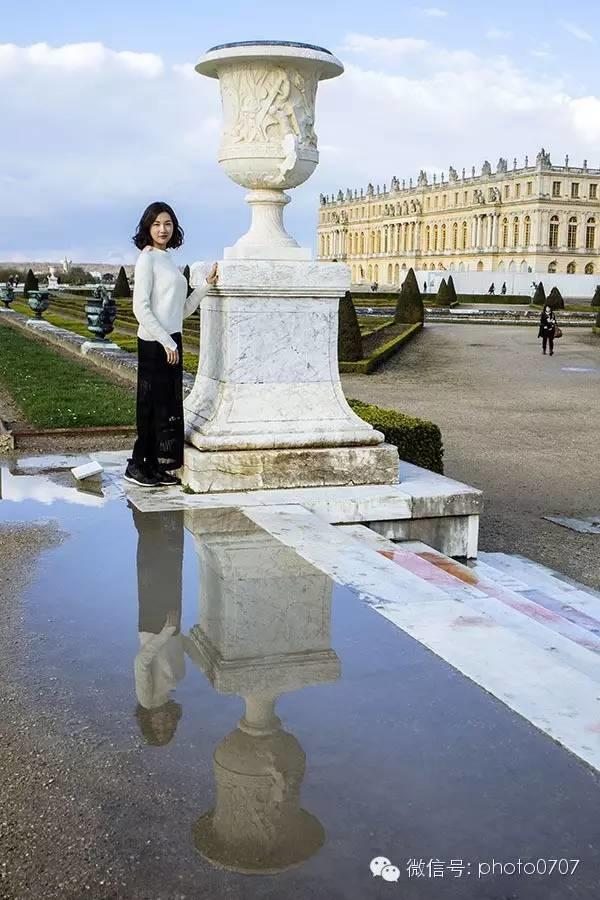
47, 489
579, 369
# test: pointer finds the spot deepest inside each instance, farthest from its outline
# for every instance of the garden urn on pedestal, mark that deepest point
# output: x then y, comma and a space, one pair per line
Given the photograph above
267, 408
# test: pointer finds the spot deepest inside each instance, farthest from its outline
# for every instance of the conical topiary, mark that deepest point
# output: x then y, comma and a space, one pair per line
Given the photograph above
539, 298
452, 290
555, 299
596, 297
598, 319
350, 347
122, 291
31, 283
186, 275
443, 294
409, 306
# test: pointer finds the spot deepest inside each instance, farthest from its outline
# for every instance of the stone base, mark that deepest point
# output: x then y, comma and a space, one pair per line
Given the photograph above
91, 346
253, 470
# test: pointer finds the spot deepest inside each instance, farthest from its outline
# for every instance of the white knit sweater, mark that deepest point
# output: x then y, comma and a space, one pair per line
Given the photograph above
159, 297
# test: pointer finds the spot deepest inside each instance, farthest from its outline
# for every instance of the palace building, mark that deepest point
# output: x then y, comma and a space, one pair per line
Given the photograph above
541, 218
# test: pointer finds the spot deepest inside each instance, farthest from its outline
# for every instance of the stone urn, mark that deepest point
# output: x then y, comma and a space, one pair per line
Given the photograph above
39, 301
268, 144
8, 295
101, 312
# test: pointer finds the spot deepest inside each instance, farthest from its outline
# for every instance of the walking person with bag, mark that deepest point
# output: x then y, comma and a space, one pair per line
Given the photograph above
549, 330
160, 304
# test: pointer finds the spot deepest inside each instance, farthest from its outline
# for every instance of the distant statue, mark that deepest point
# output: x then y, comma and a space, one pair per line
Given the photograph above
502, 165
486, 168
340, 196
452, 174
322, 199
370, 190
422, 179
543, 159
66, 265
348, 194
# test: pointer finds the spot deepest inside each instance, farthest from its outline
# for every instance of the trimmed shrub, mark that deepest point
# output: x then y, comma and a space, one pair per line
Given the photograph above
555, 299
596, 297
409, 307
452, 290
418, 441
31, 283
539, 298
443, 297
186, 275
122, 290
350, 348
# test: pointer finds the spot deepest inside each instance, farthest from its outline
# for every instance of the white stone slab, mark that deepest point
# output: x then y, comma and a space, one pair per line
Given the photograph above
88, 470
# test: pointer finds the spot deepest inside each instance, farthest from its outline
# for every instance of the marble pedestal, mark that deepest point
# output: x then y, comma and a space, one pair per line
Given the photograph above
267, 408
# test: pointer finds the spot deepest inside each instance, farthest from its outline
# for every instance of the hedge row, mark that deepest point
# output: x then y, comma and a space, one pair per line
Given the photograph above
494, 298
380, 355
418, 441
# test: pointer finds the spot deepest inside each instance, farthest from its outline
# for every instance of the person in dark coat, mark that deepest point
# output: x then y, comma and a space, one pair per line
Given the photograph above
547, 329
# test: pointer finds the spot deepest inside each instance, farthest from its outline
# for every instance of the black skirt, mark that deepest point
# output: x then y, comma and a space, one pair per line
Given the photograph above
159, 409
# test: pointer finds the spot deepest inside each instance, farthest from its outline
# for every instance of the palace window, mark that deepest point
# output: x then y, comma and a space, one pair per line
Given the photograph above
506, 191
552, 267
455, 236
529, 188
517, 190
589, 269
572, 235
527, 236
465, 235
590, 235
505, 232
556, 188
428, 203
466, 197
593, 191
435, 202
575, 190
571, 268
428, 238
553, 236
435, 237
456, 197
515, 232
443, 237
444, 201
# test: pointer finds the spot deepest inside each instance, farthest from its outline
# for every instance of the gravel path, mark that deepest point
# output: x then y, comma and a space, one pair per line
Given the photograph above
515, 423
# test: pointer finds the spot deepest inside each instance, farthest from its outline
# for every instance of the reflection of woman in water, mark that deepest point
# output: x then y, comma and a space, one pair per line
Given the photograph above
160, 662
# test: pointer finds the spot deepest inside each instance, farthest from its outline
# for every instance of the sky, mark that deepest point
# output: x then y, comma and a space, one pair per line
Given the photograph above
102, 111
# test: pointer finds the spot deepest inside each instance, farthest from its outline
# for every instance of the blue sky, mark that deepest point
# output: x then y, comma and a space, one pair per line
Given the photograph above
106, 113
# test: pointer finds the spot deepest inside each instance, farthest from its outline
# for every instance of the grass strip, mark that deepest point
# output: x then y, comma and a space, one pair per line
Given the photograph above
54, 391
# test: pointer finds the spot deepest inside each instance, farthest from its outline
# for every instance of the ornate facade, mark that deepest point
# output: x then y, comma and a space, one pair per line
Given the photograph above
540, 218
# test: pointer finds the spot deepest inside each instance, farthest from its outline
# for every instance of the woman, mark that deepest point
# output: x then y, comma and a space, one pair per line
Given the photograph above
160, 305
547, 329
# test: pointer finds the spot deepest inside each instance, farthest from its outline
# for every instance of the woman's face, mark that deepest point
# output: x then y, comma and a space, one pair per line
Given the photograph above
161, 230
548, 310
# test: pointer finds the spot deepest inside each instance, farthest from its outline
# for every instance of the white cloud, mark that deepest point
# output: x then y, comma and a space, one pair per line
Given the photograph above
578, 32
434, 12
496, 34
96, 134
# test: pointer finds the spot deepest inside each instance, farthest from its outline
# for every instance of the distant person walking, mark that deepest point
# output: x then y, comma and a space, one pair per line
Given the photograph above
547, 330
160, 305
492, 288
503, 291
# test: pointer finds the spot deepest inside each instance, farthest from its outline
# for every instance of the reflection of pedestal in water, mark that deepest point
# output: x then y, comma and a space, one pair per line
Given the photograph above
264, 629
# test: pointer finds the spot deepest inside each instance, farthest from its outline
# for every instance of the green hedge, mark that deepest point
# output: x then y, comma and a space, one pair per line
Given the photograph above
418, 441
381, 354
494, 298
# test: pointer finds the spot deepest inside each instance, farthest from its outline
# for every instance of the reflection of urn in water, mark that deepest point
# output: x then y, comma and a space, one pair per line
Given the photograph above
264, 630
268, 90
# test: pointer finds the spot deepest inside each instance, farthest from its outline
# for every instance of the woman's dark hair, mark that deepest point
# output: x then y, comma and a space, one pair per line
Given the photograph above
142, 237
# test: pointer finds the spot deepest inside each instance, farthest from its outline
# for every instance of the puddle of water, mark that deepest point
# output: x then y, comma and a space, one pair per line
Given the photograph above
285, 728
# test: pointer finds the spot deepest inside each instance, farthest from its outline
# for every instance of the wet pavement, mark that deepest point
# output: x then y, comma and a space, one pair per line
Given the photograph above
191, 709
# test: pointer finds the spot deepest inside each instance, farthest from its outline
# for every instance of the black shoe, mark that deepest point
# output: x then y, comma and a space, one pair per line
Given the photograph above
137, 474
164, 477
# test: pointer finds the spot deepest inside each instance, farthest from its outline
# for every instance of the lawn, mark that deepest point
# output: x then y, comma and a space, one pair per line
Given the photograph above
54, 391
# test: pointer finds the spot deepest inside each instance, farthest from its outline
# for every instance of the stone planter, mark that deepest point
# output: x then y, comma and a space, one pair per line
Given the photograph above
38, 301
268, 91
8, 296
101, 312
